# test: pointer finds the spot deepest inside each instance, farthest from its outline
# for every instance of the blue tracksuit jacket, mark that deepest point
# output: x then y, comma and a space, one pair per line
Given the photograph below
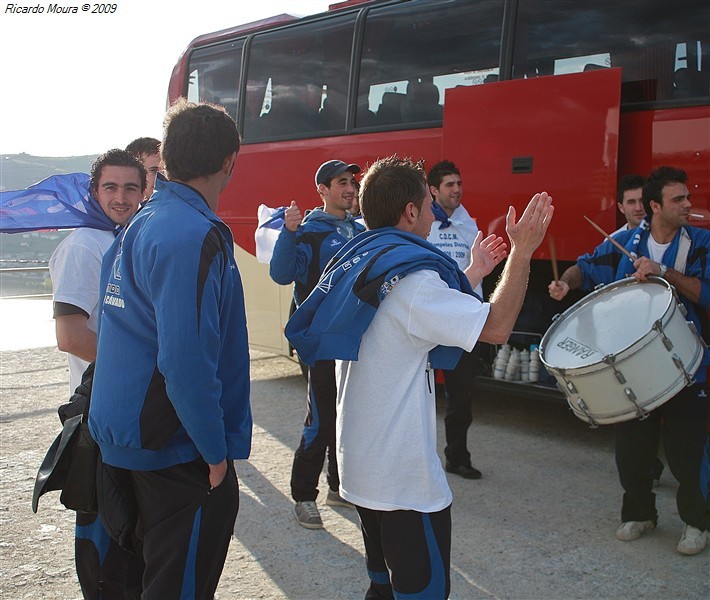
331, 322
172, 370
301, 256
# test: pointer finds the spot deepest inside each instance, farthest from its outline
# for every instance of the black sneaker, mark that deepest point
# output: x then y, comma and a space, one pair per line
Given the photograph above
465, 471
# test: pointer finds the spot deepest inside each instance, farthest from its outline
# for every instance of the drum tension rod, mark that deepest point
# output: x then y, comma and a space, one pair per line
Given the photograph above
640, 412
658, 326
681, 367
583, 407
610, 359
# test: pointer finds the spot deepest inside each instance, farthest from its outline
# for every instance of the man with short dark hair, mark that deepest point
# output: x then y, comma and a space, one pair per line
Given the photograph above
170, 406
117, 184
453, 232
377, 310
302, 250
629, 201
666, 246
147, 150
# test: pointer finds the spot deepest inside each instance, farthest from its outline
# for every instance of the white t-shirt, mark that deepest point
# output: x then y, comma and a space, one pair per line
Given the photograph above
656, 250
456, 240
386, 411
75, 269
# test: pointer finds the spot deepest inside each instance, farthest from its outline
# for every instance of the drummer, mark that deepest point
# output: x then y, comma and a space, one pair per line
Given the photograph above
666, 247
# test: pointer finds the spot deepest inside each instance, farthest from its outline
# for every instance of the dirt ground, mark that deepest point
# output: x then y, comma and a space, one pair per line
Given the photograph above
540, 524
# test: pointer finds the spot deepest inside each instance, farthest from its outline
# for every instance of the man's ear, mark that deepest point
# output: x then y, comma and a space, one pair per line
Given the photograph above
434, 191
412, 211
229, 162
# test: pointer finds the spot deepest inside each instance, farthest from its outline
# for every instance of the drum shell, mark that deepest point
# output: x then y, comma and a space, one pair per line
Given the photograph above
632, 381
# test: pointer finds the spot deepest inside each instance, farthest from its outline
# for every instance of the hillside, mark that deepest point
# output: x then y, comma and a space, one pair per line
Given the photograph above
19, 171
32, 249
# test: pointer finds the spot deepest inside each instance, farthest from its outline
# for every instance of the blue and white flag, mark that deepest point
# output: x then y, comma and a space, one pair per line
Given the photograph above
58, 202
271, 222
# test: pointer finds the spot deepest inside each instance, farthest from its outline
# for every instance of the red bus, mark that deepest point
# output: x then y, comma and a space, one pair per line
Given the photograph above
523, 95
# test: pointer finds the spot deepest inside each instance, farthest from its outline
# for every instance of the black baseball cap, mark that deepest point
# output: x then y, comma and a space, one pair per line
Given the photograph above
333, 168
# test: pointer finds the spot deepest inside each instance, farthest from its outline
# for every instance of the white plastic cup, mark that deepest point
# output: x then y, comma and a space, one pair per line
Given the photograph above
512, 371
501, 362
524, 365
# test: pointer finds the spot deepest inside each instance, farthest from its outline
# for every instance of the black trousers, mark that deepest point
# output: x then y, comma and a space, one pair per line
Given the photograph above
458, 384
105, 570
682, 421
408, 553
185, 528
318, 439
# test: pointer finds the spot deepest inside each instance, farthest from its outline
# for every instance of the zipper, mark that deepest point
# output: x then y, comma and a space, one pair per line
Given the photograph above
428, 371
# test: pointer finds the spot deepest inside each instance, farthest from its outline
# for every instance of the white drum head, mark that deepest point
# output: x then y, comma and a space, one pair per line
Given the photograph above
607, 321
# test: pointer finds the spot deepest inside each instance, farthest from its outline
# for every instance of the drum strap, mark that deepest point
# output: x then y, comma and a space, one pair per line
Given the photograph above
681, 258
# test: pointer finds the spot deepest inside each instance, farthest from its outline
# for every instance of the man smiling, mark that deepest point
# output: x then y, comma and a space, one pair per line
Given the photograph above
666, 247
303, 249
118, 181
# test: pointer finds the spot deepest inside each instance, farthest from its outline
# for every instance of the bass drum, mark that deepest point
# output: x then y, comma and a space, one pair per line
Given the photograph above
622, 350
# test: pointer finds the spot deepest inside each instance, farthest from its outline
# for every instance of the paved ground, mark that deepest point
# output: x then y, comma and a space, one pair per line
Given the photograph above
539, 525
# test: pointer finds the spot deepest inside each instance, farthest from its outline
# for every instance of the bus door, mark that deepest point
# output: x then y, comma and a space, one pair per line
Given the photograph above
511, 139
557, 134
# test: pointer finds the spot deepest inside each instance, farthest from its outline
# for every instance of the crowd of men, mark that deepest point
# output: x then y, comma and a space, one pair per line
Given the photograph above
170, 405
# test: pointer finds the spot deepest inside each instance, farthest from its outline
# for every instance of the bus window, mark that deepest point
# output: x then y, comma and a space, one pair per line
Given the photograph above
664, 53
297, 83
215, 75
410, 57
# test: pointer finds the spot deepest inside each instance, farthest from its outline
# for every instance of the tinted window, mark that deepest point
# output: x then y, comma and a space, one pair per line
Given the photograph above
412, 53
661, 46
215, 75
298, 80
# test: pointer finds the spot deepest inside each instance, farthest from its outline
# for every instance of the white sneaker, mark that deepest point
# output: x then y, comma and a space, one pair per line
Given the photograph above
692, 541
633, 530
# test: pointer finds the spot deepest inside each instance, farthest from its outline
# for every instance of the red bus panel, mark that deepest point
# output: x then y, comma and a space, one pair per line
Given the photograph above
276, 173
558, 134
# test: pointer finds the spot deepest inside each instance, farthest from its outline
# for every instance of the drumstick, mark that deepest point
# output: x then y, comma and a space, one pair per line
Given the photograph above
553, 259
623, 250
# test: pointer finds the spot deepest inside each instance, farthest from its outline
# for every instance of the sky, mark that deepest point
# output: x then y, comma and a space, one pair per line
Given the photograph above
77, 84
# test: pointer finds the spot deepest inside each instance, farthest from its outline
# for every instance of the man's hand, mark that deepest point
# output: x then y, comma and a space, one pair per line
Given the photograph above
217, 473
292, 217
644, 267
558, 289
485, 255
527, 234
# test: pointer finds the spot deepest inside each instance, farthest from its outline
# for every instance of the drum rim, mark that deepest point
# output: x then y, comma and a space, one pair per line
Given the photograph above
590, 367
